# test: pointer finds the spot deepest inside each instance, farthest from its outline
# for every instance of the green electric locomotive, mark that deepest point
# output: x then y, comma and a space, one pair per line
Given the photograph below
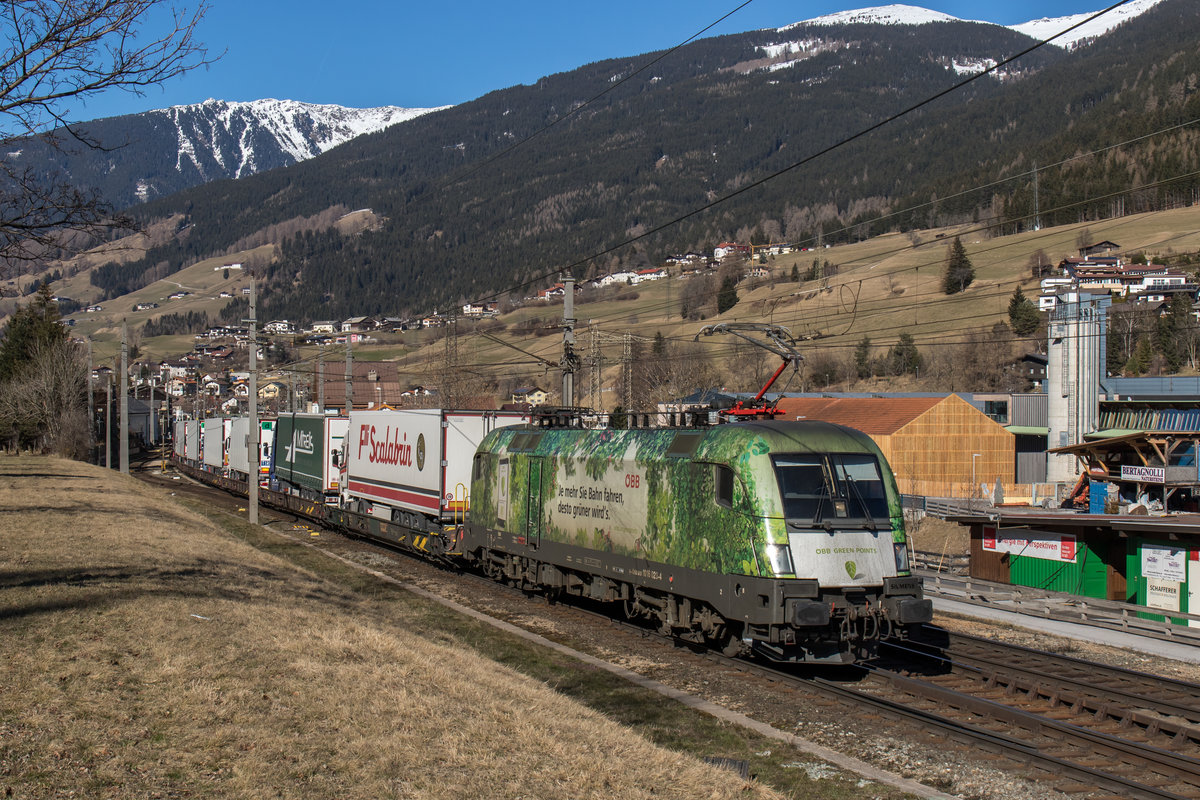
781, 538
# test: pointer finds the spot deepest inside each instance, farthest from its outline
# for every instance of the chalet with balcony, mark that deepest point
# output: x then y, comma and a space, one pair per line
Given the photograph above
359, 324
530, 395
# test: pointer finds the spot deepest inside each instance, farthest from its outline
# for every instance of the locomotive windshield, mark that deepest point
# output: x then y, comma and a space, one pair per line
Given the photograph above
822, 487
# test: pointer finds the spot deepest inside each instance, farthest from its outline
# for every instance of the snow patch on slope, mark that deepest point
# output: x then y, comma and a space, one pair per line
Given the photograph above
899, 14
1044, 28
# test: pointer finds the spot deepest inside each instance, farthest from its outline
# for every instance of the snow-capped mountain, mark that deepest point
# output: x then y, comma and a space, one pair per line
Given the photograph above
156, 153
242, 137
899, 14
895, 14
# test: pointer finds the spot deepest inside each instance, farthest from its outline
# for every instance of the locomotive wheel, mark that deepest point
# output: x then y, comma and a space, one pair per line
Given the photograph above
730, 642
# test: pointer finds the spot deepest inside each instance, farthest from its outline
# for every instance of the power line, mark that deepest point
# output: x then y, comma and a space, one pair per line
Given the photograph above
811, 157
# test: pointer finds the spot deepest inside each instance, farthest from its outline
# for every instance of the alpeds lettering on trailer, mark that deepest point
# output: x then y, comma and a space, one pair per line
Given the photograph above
391, 448
302, 444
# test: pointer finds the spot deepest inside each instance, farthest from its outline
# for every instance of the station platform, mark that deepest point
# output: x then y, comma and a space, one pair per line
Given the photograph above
1061, 615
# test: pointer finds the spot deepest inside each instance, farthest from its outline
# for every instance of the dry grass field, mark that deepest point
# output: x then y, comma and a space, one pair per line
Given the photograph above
150, 653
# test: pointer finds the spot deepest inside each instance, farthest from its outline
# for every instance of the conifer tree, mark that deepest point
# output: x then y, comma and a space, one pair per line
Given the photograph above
904, 356
1023, 315
862, 358
727, 297
29, 327
959, 271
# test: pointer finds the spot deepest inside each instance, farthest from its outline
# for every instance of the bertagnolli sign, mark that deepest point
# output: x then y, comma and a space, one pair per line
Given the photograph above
1144, 474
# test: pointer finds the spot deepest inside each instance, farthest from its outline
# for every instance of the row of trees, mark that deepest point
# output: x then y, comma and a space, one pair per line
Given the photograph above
43, 383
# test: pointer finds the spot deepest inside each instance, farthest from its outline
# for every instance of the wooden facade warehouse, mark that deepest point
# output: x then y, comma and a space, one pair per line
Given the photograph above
932, 443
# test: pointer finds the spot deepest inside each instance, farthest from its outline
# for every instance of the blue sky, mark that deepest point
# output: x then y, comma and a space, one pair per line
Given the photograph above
419, 54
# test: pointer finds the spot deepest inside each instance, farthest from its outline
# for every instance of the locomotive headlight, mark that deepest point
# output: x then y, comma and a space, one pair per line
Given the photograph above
901, 549
780, 557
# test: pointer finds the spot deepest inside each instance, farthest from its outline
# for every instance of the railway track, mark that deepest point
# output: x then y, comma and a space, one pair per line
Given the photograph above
1082, 728
1079, 727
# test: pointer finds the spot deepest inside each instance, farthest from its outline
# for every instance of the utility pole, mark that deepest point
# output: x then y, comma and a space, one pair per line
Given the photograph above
253, 435
627, 370
108, 386
597, 371
349, 376
1037, 218
570, 361
91, 407
124, 398
320, 383
451, 378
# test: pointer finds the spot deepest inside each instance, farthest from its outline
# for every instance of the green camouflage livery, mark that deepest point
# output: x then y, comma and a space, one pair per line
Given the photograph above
707, 499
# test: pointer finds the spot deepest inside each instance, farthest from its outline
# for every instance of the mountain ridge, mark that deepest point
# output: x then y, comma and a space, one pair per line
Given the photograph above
163, 151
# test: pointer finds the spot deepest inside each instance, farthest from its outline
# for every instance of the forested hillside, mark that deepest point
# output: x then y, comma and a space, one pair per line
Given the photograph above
714, 117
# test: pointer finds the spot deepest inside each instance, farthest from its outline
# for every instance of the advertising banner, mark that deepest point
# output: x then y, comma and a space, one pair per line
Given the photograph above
1164, 563
1162, 594
1032, 544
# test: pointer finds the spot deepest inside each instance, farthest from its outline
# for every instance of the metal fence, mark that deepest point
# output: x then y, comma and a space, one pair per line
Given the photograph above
1175, 626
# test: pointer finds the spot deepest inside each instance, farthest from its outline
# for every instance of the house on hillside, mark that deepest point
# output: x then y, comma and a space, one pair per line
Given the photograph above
1099, 249
212, 386
372, 385
279, 327
481, 309
324, 326
730, 250
273, 390
359, 324
623, 277
531, 395
938, 446
1032, 367
652, 274
181, 387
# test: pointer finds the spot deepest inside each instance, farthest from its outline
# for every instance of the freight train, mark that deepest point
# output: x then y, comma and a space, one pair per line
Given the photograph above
783, 539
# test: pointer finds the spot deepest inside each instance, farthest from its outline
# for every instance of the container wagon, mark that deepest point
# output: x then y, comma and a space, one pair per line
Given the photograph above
413, 467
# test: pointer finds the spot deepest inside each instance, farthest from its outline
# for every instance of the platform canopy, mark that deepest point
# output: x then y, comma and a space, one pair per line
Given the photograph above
1160, 459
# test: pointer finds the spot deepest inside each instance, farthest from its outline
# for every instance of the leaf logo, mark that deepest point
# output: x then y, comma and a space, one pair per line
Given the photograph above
851, 569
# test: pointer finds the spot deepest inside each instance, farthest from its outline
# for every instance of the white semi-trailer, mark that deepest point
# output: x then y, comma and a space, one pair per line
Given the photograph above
414, 466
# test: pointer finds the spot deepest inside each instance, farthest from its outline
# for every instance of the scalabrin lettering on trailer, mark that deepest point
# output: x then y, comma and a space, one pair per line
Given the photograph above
391, 448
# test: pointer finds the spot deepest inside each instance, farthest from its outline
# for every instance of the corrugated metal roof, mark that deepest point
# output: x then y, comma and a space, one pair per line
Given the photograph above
1028, 430
880, 416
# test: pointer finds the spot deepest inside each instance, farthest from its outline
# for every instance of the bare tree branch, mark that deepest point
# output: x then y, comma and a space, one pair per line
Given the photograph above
58, 51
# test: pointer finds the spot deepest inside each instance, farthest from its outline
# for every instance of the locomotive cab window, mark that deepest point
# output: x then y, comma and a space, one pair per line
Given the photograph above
723, 485
817, 488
